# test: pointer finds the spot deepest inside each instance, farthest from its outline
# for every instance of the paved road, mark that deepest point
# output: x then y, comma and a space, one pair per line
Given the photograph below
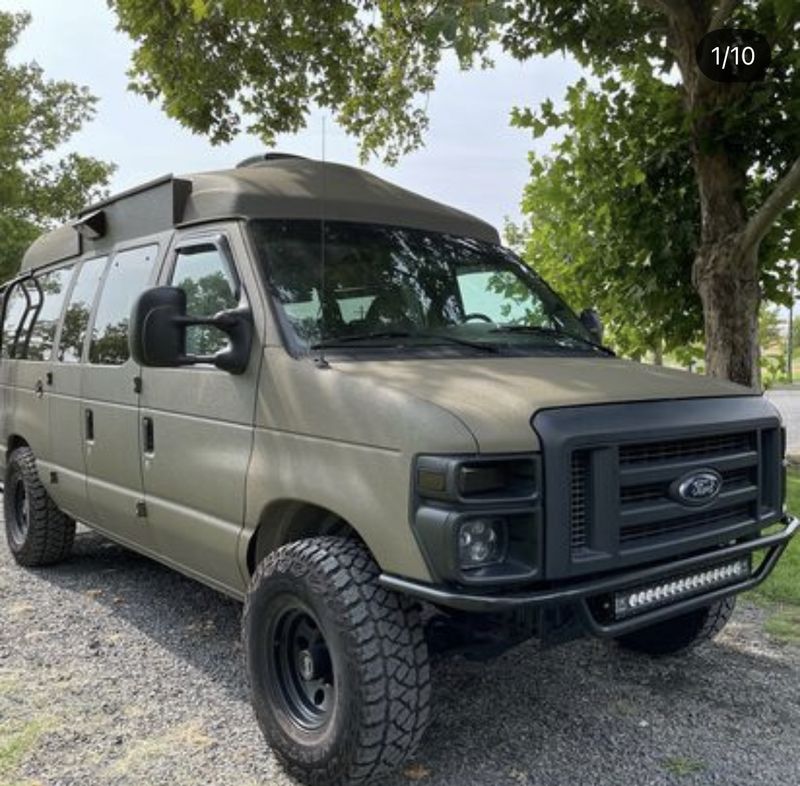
788, 402
115, 671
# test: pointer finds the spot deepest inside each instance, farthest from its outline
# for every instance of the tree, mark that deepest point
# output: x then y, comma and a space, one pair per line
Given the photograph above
612, 214
211, 62
39, 115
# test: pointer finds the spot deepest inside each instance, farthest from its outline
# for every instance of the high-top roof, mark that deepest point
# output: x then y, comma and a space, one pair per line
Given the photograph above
266, 187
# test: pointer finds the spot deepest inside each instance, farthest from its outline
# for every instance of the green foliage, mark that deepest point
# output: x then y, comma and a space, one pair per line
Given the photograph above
612, 214
39, 115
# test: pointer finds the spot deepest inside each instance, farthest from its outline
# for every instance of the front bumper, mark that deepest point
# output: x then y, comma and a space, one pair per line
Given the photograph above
581, 594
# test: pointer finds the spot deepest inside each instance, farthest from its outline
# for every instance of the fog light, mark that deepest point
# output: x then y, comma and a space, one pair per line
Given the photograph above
481, 542
641, 599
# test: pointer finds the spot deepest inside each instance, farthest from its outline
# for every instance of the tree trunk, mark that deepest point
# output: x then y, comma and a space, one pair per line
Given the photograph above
658, 352
728, 285
725, 273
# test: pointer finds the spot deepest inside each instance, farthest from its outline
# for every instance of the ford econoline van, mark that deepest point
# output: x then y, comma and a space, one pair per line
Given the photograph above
353, 409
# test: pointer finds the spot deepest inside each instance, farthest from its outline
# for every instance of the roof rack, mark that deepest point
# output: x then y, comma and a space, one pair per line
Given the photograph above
263, 158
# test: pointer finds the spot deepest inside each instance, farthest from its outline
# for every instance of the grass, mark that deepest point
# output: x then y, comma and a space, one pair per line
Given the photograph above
783, 586
14, 746
682, 767
781, 591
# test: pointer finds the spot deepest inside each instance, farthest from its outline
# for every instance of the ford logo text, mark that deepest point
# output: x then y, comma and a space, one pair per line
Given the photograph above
697, 488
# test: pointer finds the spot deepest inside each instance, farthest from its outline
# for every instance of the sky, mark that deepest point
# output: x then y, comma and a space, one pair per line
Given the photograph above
473, 159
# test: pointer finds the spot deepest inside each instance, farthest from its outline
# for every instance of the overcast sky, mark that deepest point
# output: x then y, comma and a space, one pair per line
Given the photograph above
473, 159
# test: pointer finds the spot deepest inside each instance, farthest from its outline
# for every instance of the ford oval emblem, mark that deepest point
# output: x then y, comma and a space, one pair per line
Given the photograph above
697, 488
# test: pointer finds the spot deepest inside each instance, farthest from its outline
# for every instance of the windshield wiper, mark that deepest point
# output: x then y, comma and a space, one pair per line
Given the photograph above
337, 341
545, 331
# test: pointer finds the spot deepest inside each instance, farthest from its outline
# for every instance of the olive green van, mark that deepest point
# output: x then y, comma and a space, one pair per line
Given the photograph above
351, 408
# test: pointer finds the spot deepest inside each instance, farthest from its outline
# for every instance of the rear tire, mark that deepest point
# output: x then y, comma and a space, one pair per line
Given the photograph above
338, 666
38, 533
679, 635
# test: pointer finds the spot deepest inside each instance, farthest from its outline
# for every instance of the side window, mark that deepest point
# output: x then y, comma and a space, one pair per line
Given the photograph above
52, 288
16, 306
500, 296
204, 273
126, 278
76, 317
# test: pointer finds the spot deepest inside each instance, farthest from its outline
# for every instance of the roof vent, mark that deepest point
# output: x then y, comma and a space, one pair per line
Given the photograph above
263, 158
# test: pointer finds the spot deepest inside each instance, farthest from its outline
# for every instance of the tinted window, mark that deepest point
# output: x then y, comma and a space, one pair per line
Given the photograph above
497, 296
205, 275
385, 286
52, 288
16, 306
127, 276
76, 317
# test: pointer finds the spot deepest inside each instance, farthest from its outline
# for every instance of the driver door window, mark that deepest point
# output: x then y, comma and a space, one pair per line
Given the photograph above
500, 296
204, 273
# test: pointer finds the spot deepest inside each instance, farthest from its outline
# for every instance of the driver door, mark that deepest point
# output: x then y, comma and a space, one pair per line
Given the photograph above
197, 421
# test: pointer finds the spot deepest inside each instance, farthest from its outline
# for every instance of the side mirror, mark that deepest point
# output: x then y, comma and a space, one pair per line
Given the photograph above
590, 319
158, 332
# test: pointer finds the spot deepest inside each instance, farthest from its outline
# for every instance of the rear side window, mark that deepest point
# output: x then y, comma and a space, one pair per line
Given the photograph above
52, 289
76, 317
125, 279
205, 275
16, 306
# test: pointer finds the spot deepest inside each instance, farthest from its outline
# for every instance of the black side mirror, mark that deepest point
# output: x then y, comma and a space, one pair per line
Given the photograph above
158, 332
590, 319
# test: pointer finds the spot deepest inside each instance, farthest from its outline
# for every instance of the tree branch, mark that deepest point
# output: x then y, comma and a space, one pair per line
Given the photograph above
782, 195
723, 12
668, 7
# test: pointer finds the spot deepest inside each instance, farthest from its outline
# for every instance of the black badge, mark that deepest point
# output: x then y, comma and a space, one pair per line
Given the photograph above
731, 55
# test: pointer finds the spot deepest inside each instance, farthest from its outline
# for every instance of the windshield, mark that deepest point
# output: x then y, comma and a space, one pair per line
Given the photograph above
385, 286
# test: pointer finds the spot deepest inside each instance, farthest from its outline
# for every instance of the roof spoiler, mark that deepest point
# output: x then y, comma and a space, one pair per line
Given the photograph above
153, 207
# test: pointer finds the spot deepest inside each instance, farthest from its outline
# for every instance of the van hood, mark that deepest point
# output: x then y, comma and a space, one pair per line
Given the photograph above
495, 398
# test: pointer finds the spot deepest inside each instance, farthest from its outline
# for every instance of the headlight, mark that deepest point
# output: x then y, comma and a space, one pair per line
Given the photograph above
481, 542
478, 519
477, 479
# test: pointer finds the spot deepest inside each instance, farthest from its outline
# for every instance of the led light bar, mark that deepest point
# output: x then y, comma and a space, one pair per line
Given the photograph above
650, 596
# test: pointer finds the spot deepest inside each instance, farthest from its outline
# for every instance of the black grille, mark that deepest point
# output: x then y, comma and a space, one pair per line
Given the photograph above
655, 492
612, 474
645, 507
579, 496
683, 449
734, 515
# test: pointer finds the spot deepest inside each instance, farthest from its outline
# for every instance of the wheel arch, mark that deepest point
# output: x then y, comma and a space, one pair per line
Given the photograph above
15, 441
287, 520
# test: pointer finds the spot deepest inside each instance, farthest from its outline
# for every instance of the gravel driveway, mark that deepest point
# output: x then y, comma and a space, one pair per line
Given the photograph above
114, 670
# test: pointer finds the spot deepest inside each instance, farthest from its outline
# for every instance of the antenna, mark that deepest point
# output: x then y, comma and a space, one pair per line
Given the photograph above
321, 361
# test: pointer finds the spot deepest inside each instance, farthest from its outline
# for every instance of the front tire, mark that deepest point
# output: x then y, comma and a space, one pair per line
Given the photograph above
678, 635
37, 532
338, 666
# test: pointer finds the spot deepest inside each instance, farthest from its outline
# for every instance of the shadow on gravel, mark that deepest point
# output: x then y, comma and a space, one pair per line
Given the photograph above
195, 623
582, 713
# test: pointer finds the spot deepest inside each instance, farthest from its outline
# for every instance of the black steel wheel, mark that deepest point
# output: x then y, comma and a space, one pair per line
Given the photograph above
19, 520
304, 679
37, 532
338, 666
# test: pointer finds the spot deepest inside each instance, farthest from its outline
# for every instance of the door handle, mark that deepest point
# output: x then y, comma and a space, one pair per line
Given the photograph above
38, 388
148, 435
88, 416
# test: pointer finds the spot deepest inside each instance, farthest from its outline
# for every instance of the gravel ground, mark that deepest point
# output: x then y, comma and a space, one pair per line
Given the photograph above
114, 670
